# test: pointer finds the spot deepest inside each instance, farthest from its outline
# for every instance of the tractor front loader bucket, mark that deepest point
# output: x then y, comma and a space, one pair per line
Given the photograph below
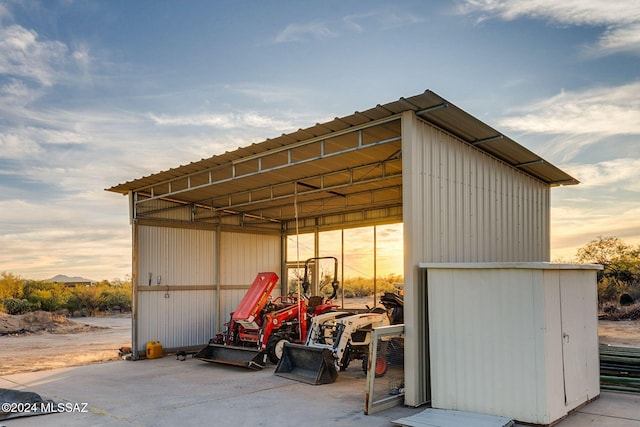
311, 365
231, 355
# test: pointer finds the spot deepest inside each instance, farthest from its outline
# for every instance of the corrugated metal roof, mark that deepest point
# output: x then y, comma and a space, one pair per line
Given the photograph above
349, 164
428, 106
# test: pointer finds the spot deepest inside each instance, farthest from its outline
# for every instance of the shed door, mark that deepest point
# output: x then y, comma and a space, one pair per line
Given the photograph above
574, 358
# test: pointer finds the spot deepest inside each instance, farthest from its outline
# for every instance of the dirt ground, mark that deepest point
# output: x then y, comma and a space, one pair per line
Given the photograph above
59, 342
46, 342
622, 333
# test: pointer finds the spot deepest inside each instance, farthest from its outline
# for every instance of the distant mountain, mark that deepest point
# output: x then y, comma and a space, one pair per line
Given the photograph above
61, 278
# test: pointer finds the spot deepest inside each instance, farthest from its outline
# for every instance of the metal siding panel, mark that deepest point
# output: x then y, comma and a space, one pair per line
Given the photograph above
184, 319
451, 215
508, 220
474, 211
496, 339
503, 201
486, 348
590, 320
161, 209
579, 322
242, 257
418, 193
230, 300
180, 257
554, 379
431, 205
466, 211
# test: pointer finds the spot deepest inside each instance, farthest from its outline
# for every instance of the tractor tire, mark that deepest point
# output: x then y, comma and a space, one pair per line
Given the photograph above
274, 348
380, 368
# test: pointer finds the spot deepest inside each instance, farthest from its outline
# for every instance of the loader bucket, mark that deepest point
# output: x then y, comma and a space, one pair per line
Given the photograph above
231, 355
311, 365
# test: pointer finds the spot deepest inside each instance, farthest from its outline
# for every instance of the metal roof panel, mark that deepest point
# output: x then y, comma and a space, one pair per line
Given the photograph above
428, 106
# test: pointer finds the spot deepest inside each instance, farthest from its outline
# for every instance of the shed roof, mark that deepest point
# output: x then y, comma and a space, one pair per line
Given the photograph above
355, 157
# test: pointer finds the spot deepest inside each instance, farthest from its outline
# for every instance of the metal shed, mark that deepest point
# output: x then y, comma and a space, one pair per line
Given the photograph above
518, 340
463, 191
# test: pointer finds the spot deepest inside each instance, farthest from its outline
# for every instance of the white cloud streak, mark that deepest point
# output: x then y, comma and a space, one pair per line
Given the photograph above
605, 203
621, 17
574, 225
620, 39
222, 121
304, 32
23, 55
576, 119
619, 174
381, 19
604, 111
4, 13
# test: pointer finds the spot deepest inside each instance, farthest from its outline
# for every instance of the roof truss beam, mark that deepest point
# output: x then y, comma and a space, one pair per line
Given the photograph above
320, 212
171, 193
328, 189
287, 148
352, 180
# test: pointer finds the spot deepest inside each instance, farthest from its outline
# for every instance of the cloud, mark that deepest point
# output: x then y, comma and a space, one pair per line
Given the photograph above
378, 20
23, 55
573, 225
626, 37
621, 18
13, 146
605, 111
304, 32
620, 174
268, 94
580, 118
222, 121
4, 13
46, 237
605, 203
16, 94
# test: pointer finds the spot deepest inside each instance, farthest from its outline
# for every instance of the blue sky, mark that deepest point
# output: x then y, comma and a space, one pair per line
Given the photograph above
95, 93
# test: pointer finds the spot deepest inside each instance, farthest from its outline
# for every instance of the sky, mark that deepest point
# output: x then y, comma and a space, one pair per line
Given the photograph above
94, 93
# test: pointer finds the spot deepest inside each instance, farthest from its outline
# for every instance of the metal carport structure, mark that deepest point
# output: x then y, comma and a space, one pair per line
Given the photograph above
464, 191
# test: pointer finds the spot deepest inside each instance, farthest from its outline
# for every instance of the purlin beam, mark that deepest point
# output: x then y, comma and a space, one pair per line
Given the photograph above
312, 191
286, 147
229, 208
374, 165
288, 164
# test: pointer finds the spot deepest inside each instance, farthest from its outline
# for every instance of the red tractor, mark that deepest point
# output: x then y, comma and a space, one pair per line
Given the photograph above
259, 327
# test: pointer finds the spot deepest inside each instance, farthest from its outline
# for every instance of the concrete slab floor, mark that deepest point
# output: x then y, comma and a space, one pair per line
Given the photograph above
168, 392
609, 410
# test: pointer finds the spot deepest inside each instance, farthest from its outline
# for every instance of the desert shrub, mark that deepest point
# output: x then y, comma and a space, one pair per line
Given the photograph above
10, 285
115, 298
84, 298
358, 287
626, 299
18, 296
363, 287
621, 262
48, 299
19, 306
